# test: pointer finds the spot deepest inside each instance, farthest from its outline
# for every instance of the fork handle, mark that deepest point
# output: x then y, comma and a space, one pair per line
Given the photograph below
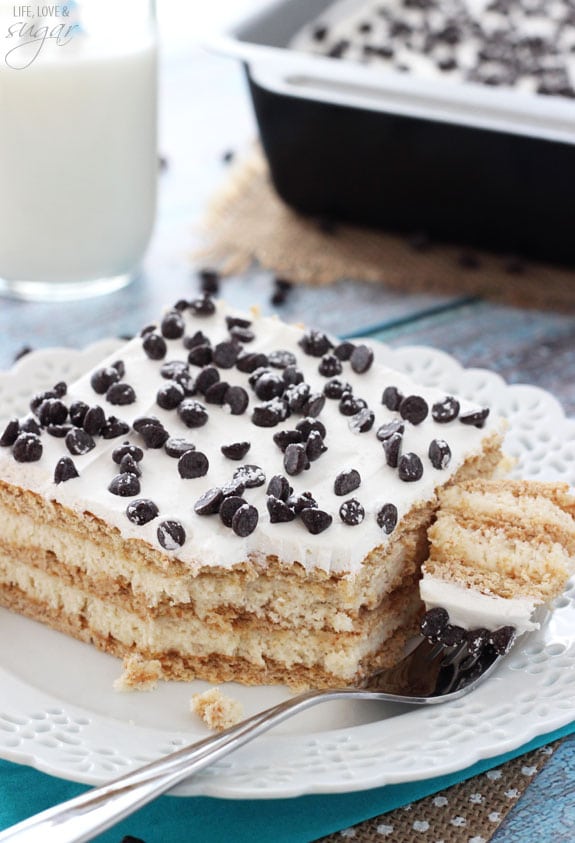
91, 813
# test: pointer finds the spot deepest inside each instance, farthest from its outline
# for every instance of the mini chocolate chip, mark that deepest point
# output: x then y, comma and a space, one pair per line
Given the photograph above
349, 406
152, 432
257, 374
414, 409
476, 419
391, 397
502, 639
336, 388
24, 350
171, 535
279, 487
387, 518
297, 396
193, 464
65, 470
142, 511
269, 385
200, 355
94, 420
279, 511
237, 322
120, 452
225, 354
209, 503
237, 399
114, 427
315, 343
329, 366
124, 485
147, 329
268, 414
79, 442
229, 507
10, 433
173, 325
434, 622
392, 449
30, 425
52, 411
203, 306
207, 377
245, 520
292, 376
316, 520
192, 413
314, 446
198, 338
307, 425
410, 468
209, 281
251, 476
446, 410
477, 640
121, 394
170, 396
300, 501
78, 410
60, 388
281, 358
216, 393
352, 512
344, 350
283, 438
387, 430
39, 399
120, 367
102, 379
314, 404
59, 431
234, 487
362, 422
451, 636
295, 459
174, 369
176, 447
248, 362
128, 465
154, 346
346, 482
439, 453
361, 359
242, 335
235, 451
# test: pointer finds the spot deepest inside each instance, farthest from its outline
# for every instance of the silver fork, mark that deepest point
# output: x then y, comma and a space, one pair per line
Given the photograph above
431, 674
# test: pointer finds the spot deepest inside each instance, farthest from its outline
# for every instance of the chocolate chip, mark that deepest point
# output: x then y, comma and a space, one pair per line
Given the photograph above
171, 535
152, 431
237, 322
314, 446
414, 409
279, 487
314, 404
439, 453
216, 393
26, 349
451, 636
209, 503
268, 414
52, 411
349, 406
362, 422
60, 389
269, 385
243, 335
279, 511
173, 325
193, 464
387, 518
392, 448
248, 362
329, 366
245, 520
477, 640
94, 420
170, 396
295, 459
114, 427
59, 431
434, 622
392, 397
237, 399
121, 394
30, 425
209, 281
128, 465
200, 355
344, 350
320, 32
386, 431
297, 396
352, 512
307, 425
446, 410
203, 306
10, 433
257, 374
476, 419
281, 358
147, 329
124, 485
174, 369
361, 359
142, 511
234, 487
346, 482
39, 399
192, 413
225, 354
79, 442
251, 476
78, 410
292, 376
198, 338
410, 468
65, 470
102, 379
207, 377
283, 438
229, 507
502, 639
120, 452
316, 520
235, 451
298, 502
176, 447
336, 388
315, 343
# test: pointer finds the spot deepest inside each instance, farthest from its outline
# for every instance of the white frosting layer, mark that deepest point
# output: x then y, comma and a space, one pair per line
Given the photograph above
209, 542
471, 609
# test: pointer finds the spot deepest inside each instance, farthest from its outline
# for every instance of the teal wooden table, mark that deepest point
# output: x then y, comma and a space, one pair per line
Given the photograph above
205, 113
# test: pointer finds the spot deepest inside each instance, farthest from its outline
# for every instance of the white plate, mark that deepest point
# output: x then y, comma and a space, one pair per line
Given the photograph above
58, 711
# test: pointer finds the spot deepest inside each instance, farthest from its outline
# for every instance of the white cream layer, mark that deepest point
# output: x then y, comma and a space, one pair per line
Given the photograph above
340, 548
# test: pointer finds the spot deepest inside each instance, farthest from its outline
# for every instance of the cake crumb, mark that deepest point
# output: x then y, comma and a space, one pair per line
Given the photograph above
138, 674
216, 710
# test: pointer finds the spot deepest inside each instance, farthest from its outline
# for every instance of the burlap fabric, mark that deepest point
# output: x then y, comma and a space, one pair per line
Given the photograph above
248, 222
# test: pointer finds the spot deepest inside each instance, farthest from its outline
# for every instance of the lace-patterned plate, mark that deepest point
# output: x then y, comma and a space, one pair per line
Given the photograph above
58, 711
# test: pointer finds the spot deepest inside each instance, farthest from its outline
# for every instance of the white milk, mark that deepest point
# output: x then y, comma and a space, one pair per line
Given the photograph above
78, 162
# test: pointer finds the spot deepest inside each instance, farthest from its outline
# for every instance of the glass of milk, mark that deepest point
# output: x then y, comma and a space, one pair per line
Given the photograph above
78, 145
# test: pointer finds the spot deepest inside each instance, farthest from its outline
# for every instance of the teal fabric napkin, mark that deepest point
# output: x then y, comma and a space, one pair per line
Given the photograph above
24, 791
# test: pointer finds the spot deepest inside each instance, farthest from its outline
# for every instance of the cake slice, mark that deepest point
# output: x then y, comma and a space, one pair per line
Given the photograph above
499, 550
233, 498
